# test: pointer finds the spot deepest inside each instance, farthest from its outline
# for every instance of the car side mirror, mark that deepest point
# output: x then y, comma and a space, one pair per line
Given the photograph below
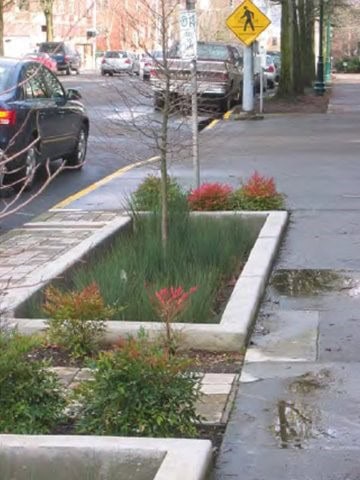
73, 94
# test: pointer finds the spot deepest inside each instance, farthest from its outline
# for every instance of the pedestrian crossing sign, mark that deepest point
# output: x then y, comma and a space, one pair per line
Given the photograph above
247, 22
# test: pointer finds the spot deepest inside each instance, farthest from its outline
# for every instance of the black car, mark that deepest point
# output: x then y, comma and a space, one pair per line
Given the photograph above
39, 121
66, 56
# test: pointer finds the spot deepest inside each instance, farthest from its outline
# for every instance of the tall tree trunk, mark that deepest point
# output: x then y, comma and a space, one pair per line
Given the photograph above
308, 45
49, 25
297, 58
286, 83
1, 28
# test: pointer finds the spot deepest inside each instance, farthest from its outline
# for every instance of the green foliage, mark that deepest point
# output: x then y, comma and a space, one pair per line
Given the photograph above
139, 390
242, 201
348, 65
76, 318
31, 401
201, 251
148, 194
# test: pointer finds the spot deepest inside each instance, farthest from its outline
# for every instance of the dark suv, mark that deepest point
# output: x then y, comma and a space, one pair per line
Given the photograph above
66, 56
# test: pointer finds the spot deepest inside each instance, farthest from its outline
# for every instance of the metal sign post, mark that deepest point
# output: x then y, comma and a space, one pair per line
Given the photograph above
247, 22
188, 49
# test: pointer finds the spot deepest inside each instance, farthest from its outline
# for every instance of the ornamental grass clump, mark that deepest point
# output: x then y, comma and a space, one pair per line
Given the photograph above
258, 193
201, 251
76, 319
139, 389
31, 400
210, 197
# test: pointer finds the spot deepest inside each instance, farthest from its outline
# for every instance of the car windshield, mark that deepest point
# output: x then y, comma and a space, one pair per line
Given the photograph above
116, 55
205, 51
50, 47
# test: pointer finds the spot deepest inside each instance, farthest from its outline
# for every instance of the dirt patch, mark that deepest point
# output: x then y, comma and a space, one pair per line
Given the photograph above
308, 103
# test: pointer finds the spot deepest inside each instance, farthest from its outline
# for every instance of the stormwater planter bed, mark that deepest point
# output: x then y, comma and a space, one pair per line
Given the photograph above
230, 334
40, 457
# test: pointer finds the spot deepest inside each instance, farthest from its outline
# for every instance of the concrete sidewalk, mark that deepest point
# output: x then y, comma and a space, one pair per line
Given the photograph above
296, 415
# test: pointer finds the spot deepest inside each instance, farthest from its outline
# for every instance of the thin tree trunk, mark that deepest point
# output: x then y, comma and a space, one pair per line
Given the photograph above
286, 83
164, 133
1, 28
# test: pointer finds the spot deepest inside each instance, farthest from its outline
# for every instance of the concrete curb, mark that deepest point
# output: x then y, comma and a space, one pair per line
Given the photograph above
180, 459
232, 332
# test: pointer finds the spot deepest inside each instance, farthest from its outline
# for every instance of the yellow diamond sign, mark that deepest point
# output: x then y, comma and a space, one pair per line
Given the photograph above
247, 22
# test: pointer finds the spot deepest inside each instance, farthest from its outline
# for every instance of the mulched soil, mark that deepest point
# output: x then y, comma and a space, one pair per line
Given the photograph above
214, 362
55, 356
308, 103
208, 362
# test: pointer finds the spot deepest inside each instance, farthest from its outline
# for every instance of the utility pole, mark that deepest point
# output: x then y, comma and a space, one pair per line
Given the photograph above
190, 6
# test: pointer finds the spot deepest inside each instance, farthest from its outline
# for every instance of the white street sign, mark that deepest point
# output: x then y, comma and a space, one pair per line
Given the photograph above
188, 34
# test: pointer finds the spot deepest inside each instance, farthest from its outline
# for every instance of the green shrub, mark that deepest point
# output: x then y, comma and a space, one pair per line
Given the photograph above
148, 194
76, 318
31, 401
139, 390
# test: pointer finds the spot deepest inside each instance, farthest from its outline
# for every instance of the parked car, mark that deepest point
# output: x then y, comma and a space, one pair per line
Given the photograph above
142, 65
272, 71
66, 56
34, 106
43, 58
116, 61
219, 73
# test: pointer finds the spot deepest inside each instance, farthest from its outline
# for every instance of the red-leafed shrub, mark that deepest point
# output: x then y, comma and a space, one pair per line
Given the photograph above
259, 186
169, 303
258, 193
210, 197
76, 319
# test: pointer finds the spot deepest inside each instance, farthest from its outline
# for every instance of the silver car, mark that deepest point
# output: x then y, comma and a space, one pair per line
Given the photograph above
116, 61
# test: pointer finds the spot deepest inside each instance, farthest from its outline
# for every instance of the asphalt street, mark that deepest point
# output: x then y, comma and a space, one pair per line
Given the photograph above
124, 129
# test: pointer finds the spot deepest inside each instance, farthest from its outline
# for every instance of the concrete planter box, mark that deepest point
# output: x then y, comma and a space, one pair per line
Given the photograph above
232, 331
41, 457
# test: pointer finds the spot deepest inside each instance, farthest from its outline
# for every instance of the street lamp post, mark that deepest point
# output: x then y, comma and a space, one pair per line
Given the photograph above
319, 86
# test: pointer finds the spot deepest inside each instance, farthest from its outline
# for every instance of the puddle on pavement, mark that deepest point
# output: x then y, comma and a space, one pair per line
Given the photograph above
310, 382
305, 283
296, 424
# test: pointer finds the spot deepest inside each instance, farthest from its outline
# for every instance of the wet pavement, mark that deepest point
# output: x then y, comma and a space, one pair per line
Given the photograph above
297, 412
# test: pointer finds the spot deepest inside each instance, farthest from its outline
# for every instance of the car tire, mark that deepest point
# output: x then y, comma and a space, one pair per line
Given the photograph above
25, 176
111, 74
77, 157
103, 73
225, 103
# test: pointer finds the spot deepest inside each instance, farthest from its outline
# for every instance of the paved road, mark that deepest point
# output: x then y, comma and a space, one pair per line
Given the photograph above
124, 129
